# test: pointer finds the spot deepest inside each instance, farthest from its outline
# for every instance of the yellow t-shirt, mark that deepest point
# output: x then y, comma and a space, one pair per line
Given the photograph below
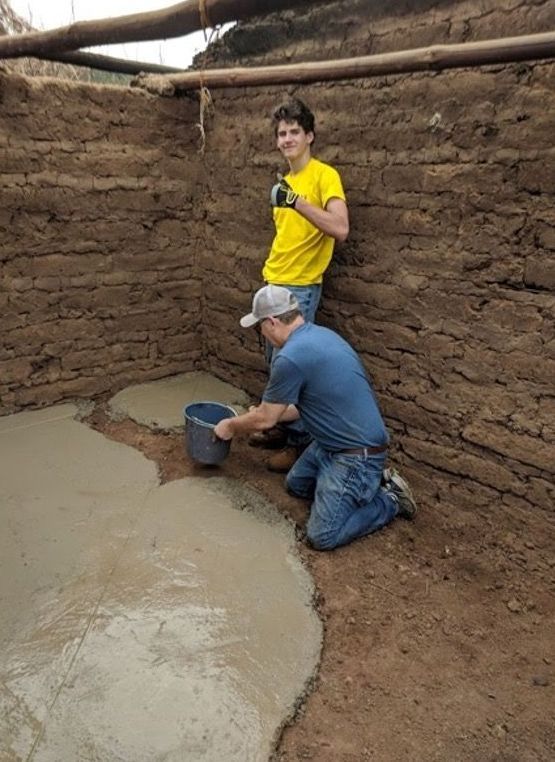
300, 252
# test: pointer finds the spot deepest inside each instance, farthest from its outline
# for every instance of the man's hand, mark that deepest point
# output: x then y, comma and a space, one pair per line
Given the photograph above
222, 430
259, 417
283, 195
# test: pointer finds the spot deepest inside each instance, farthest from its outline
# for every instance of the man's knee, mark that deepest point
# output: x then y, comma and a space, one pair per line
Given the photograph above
295, 488
321, 540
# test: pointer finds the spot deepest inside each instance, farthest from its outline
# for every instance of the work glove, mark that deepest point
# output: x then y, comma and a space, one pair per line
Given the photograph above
283, 195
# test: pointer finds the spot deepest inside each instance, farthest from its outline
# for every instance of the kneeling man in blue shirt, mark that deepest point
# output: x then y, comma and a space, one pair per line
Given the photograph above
318, 377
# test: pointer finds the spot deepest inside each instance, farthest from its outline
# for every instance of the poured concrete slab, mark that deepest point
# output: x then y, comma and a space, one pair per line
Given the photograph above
139, 621
159, 404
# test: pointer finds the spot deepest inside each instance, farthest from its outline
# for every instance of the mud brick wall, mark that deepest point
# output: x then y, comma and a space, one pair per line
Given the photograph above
446, 284
98, 238
125, 256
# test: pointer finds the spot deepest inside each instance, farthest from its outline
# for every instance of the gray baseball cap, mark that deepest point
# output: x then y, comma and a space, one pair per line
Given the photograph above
269, 301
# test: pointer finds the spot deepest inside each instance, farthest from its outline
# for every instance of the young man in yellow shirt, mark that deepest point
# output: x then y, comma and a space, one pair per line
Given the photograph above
310, 215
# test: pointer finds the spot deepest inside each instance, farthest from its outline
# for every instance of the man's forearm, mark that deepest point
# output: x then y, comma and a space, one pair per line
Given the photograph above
289, 414
259, 418
332, 223
249, 422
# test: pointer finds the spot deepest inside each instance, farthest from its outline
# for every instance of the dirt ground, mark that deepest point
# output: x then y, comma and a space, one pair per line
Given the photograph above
439, 634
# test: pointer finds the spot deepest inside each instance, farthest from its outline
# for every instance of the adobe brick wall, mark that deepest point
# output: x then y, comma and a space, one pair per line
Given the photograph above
99, 232
113, 227
446, 283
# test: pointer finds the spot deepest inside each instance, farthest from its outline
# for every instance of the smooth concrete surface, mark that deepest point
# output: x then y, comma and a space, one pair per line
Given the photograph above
139, 621
159, 404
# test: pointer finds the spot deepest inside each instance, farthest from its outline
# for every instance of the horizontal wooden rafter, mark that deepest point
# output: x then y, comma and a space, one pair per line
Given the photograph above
435, 57
173, 21
109, 63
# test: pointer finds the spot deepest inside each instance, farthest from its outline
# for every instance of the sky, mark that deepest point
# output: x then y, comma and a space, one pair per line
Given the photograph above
48, 14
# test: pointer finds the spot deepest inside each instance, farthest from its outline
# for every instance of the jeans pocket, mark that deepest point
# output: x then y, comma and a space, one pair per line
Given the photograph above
344, 461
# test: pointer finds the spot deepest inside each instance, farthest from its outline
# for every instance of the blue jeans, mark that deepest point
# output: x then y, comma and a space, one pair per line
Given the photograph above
309, 299
348, 500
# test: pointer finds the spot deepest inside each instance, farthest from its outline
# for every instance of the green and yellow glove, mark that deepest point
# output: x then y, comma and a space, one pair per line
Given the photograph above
283, 195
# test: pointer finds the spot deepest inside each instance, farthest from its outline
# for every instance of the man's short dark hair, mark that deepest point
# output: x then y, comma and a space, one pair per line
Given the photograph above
294, 110
289, 317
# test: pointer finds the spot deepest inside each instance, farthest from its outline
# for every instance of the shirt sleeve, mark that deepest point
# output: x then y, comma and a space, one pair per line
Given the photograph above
331, 186
284, 384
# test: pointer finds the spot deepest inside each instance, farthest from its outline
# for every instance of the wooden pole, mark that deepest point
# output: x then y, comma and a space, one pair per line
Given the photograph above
108, 63
436, 57
174, 21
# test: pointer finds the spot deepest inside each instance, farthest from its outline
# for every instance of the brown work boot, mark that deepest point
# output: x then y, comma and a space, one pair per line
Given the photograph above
270, 439
284, 460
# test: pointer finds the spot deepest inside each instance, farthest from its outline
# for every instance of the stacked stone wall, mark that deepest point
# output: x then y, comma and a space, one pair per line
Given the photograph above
99, 233
446, 283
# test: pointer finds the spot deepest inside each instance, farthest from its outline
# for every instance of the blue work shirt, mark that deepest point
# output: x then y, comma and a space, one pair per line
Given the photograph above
322, 375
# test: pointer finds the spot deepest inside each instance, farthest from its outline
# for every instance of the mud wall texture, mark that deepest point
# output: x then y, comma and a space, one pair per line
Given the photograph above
98, 232
446, 283
127, 256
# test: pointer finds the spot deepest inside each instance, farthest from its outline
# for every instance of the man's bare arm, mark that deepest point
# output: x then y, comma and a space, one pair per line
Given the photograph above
259, 418
333, 220
289, 414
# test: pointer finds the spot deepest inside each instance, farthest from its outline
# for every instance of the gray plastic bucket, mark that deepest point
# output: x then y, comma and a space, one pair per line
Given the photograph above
200, 419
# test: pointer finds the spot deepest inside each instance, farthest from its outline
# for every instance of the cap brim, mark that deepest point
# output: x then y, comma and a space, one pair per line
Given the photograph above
248, 321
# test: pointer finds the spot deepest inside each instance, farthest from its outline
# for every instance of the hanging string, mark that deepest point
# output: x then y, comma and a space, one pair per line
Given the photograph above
205, 106
204, 19
205, 99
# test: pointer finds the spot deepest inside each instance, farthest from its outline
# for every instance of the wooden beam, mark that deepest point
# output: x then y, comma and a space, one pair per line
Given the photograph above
437, 57
174, 21
11, 23
108, 63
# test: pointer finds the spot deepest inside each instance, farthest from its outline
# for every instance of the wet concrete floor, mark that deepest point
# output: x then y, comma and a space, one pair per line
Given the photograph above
159, 404
140, 621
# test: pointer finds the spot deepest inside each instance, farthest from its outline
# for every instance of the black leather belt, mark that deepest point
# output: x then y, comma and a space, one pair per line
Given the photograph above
364, 450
